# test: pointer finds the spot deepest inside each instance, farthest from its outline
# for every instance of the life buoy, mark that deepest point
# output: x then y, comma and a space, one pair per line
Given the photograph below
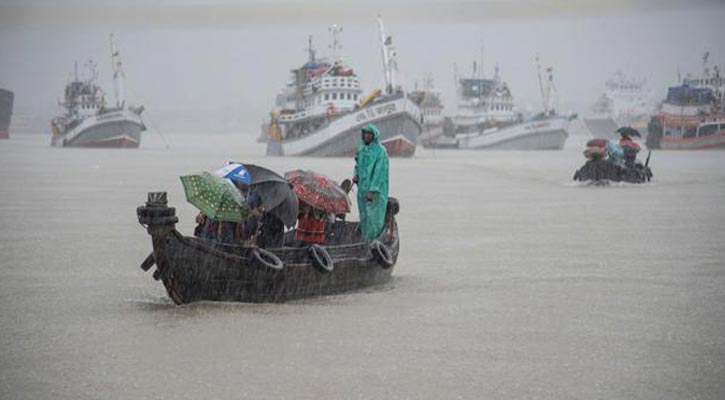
267, 259
381, 254
320, 258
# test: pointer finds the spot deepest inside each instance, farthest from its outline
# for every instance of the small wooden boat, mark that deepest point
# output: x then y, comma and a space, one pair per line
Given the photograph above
602, 171
194, 269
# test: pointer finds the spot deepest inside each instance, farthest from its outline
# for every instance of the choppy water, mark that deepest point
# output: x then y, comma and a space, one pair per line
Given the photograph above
513, 283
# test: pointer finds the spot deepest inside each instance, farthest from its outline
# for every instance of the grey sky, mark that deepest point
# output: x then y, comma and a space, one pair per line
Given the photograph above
219, 66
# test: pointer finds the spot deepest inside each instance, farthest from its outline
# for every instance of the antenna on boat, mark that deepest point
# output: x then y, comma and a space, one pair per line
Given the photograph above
118, 74
547, 92
335, 30
310, 50
390, 64
541, 83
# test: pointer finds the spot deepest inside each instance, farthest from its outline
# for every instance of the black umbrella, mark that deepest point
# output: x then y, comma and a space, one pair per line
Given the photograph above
628, 131
276, 194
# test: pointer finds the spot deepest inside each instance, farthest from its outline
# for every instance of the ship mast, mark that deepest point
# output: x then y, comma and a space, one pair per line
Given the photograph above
118, 75
335, 45
548, 90
390, 64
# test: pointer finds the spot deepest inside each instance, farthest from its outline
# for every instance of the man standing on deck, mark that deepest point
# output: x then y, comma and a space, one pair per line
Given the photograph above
371, 177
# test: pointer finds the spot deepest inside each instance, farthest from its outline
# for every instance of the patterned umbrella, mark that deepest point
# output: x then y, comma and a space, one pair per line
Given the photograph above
217, 198
629, 131
319, 191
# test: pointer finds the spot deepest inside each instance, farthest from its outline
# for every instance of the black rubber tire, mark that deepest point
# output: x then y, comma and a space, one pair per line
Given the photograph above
267, 259
159, 220
382, 254
156, 211
321, 259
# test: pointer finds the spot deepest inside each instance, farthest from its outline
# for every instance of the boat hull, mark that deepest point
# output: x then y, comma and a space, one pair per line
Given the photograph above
115, 130
193, 269
600, 171
397, 120
548, 134
716, 141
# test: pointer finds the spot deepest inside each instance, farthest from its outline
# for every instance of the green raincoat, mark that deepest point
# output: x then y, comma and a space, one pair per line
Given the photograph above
371, 169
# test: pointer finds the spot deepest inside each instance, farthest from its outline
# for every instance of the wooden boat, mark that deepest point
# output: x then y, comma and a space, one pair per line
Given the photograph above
602, 171
194, 269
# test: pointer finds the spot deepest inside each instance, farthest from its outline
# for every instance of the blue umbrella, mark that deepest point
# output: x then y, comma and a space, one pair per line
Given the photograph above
235, 172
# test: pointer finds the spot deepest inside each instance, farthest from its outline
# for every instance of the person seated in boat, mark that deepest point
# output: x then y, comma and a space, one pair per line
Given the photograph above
615, 153
246, 232
630, 149
205, 227
310, 225
271, 231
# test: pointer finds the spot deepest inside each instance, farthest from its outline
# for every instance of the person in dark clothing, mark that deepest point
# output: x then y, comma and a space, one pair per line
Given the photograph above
271, 232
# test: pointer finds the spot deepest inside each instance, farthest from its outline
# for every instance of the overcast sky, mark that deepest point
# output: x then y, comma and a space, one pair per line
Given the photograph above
220, 64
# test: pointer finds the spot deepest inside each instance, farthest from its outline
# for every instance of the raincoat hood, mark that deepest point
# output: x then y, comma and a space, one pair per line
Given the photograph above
370, 128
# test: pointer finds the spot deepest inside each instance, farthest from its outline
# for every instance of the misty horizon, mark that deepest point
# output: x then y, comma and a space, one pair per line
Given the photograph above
195, 75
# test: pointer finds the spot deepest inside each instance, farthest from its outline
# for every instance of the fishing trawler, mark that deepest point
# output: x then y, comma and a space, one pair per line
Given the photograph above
322, 109
692, 116
626, 102
487, 119
88, 121
6, 112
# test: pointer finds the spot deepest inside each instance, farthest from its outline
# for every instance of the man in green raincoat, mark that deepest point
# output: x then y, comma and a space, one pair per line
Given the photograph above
371, 177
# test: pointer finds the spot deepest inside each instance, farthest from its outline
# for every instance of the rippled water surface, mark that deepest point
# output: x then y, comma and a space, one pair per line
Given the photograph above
512, 283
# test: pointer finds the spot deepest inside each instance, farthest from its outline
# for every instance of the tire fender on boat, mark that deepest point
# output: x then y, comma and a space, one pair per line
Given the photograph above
381, 254
267, 259
321, 259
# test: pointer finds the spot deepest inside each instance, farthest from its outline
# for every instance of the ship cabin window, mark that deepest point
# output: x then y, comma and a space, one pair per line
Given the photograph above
707, 130
690, 132
334, 96
327, 96
355, 97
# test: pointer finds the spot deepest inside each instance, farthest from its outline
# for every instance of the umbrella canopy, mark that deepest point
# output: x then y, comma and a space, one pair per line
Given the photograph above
217, 198
628, 131
235, 172
319, 191
276, 194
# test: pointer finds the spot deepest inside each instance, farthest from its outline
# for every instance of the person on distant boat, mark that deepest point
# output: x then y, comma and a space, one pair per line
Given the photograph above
630, 149
615, 152
310, 225
371, 177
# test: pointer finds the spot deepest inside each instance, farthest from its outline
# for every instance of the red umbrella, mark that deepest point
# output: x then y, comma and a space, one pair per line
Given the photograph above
318, 191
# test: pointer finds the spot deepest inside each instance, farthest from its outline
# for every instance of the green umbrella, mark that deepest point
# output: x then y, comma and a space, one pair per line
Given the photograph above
217, 198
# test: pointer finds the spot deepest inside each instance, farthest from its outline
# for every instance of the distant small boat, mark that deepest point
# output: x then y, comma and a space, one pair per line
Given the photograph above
194, 269
601, 171
6, 112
